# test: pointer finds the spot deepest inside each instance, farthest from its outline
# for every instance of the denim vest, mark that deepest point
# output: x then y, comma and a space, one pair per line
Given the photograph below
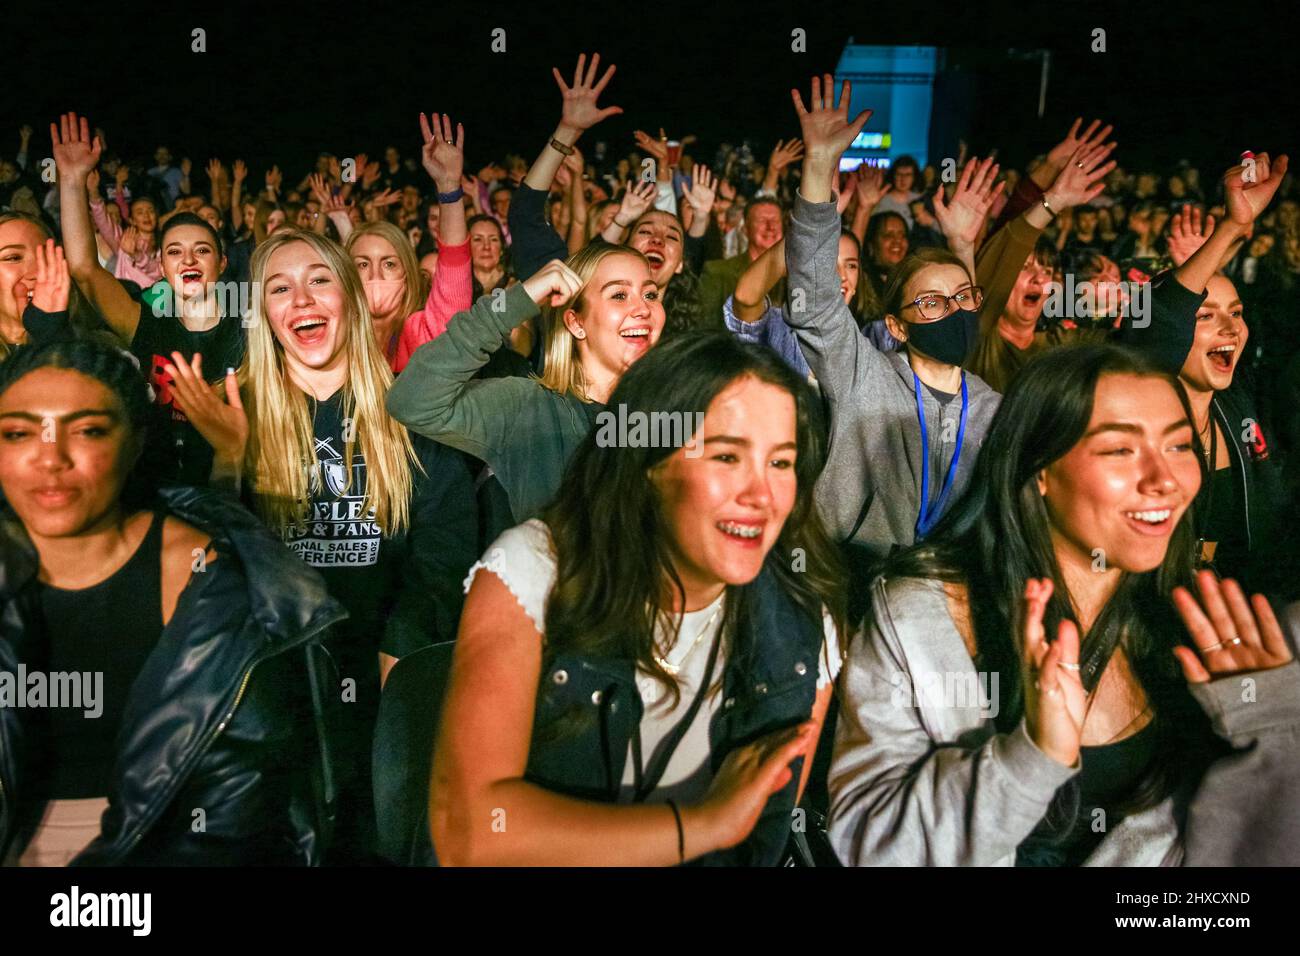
588, 709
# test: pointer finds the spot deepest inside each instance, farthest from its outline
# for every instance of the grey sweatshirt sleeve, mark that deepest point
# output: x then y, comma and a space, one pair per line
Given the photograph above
902, 797
1246, 810
435, 397
828, 336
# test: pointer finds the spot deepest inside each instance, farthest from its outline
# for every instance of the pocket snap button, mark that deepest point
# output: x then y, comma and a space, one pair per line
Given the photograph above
801, 668
560, 677
596, 697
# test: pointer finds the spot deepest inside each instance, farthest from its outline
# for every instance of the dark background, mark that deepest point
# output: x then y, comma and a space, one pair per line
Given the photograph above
281, 81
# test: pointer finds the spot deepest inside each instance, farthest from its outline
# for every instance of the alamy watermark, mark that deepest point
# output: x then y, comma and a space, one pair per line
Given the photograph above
947, 689
232, 298
1092, 300
75, 689
637, 429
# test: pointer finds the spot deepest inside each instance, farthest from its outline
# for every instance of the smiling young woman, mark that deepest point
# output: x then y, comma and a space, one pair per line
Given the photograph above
388, 519
1203, 342
188, 316
602, 311
644, 707
1076, 525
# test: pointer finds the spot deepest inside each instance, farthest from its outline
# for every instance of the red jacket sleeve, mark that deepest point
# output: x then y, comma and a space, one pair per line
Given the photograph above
452, 292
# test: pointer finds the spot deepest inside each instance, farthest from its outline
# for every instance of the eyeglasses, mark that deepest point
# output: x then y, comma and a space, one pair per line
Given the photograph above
934, 306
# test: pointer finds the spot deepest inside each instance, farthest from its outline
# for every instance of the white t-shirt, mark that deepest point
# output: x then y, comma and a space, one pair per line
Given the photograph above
522, 558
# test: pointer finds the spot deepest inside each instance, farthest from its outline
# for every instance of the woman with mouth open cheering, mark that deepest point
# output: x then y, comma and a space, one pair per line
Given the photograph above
1241, 492
190, 317
1087, 749
388, 519
649, 706
605, 313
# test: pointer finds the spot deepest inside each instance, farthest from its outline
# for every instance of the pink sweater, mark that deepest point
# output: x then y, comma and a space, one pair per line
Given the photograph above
144, 269
452, 292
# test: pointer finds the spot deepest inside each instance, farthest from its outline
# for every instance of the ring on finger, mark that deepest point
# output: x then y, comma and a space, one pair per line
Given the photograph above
1067, 665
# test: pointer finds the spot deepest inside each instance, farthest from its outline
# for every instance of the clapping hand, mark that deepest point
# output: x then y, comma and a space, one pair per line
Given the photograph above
50, 293
1231, 636
1055, 701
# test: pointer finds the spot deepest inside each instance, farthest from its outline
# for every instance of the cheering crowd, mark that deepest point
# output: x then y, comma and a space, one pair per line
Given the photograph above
633, 509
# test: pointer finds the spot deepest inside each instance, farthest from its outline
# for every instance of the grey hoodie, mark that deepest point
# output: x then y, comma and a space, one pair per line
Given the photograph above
870, 491
920, 776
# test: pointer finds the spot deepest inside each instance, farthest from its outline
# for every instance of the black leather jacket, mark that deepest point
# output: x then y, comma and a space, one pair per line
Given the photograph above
225, 718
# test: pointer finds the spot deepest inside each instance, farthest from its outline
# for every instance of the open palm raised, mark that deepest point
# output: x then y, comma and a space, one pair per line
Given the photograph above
827, 130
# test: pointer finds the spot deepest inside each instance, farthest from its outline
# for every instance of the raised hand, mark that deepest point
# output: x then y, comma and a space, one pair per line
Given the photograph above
335, 170
443, 157
784, 153
657, 148
369, 173
1231, 635
637, 198
574, 163
75, 153
1187, 233
702, 190
240, 171
129, 242
50, 293
386, 197
92, 184
216, 172
580, 111
1055, 701
871, 186
962, 217
827, 133
1083, 177
553, 284
320, 189
223, 424
1090, 139
1250, 191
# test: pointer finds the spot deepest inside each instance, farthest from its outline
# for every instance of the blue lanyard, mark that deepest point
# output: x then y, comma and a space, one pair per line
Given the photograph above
929, 516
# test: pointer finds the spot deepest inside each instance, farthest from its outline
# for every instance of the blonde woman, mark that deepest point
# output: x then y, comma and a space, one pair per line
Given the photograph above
388, 266
603, 313
387, 519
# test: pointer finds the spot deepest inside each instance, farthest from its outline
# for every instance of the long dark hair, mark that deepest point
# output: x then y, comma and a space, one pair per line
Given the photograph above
998, 535
608, 506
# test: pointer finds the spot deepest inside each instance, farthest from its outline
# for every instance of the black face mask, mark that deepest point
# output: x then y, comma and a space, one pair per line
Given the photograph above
948, 340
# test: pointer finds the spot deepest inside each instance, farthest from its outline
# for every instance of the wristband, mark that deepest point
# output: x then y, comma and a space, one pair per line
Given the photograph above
1050, 211
621, 225
454, 196
561, 147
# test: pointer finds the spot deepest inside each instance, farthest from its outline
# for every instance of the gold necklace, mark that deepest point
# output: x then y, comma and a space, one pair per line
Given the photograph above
674, 668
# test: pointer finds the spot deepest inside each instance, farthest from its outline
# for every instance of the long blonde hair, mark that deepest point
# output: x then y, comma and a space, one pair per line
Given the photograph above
405, 255
562, 369
281, 447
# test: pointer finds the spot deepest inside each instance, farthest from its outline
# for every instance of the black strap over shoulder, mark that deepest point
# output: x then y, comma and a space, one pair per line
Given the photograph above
645, 781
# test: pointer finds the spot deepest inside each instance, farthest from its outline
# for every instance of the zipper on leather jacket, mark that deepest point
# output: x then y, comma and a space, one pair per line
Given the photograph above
149, 818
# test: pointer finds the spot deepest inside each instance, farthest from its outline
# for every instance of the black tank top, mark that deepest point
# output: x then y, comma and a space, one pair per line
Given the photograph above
101, 634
